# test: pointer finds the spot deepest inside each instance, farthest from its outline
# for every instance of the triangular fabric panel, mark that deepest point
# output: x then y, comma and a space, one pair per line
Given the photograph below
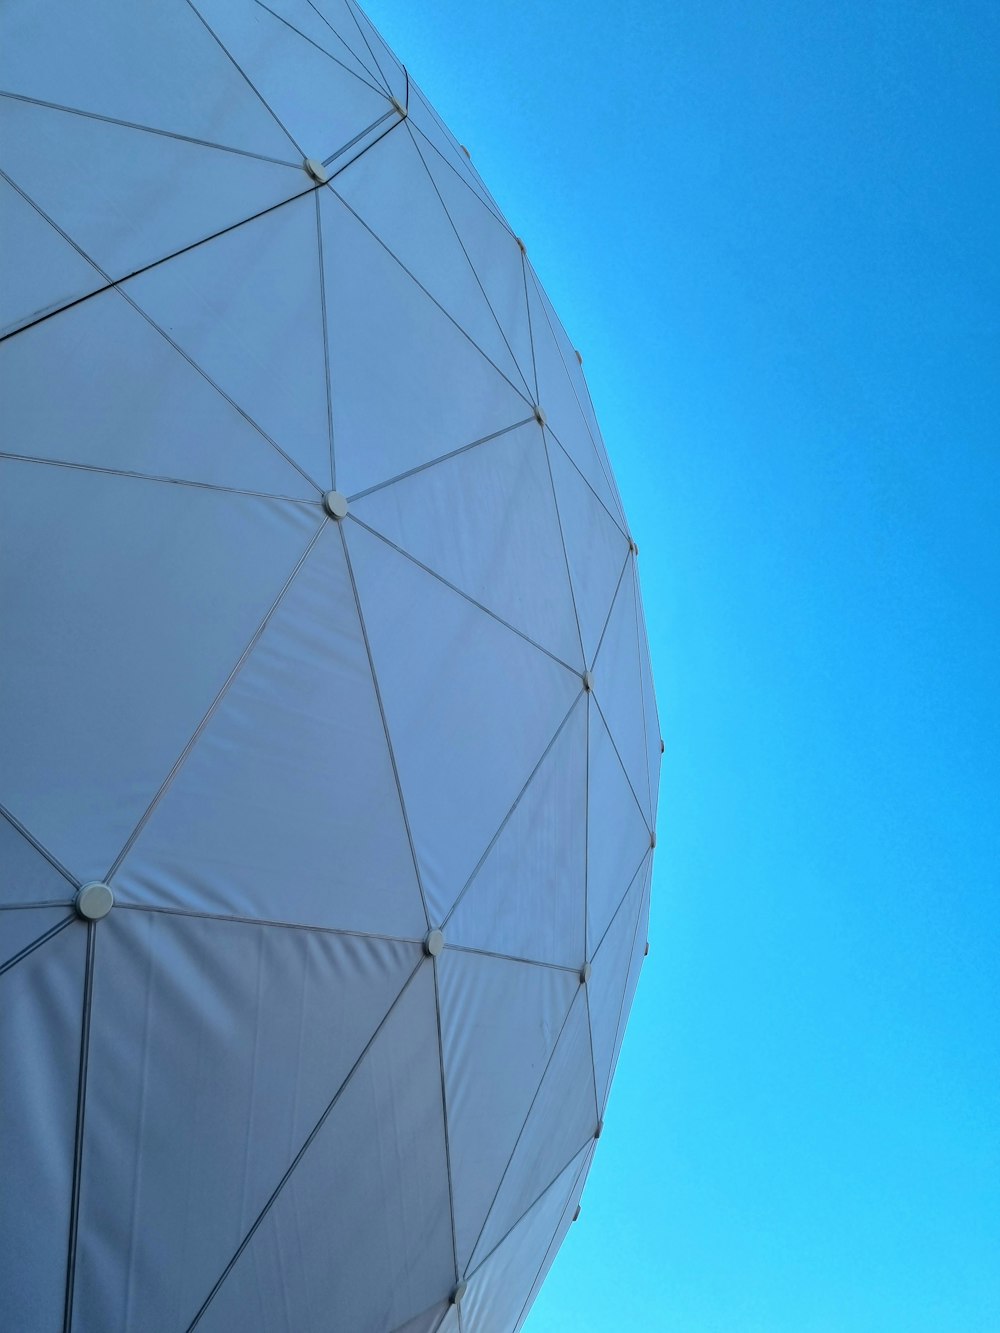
485, 520
562, 1120
574, 370
112, 188
560, 405
137, 405
215, 1047
93, 628
209, 301
39, 270
307, 825
331, 27
22, 927
497, 1290
41, 1007
26, 876
134, 78
392, 192
493, 252
408, 385
359, 1267
617, 835
428, 1321
619, 689
565, 1222
366, 42
596, 548
486, 714
499, 1023
527, 898
635, 968
322, 104
440, 140
607, 981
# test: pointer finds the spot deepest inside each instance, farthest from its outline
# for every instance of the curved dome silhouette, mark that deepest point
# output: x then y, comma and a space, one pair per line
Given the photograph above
328, 745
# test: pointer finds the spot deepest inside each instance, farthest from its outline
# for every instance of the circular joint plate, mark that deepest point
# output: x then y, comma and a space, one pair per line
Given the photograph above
316, 170
335, 504
457, 1294
433, 944
94, 901
588, 681
585, 974
540, 414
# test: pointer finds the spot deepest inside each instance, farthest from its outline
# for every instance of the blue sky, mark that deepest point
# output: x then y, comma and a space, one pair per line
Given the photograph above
772, 229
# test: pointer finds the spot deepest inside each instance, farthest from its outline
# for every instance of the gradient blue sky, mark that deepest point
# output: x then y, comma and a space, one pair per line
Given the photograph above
773, 230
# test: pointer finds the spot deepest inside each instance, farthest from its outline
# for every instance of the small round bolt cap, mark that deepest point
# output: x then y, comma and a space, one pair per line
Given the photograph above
599, 1130
634, 547
94, 901
662, 746
652, 839
588, 681
540, 414
433, 944
578, 356
576, 1213
646, 950
584, 974
316, 170
465, 151
458, 1293
521, 245
335, 504
399, 108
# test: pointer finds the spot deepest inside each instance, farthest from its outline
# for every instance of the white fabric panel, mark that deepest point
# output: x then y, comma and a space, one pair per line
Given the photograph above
357, 1266
488, 705
39, 270
440, 140
94, 629
528, 897
321, 104
125, 61
40, 1016
619, 690
635, 965
617, 836
215, 1048
307, 826
408, 386
574, 371
565, 1222
366, 42
606, 987
131, 403
562, 1120
499, 1287
596, 548
114, 189
429, 1321
21, 927
25, 875
209, 301
559, 401
493, 252
392, 192
332, 28
486, 521
499, 1023
654, 753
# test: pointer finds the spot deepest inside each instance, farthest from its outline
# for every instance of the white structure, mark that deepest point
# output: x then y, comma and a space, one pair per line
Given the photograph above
328, 747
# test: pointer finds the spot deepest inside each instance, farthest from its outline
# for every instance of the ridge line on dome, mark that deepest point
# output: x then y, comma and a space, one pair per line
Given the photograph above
326, 344
468, 257
611, 607
444, 1120
466, 596
310, 1137
443, 458
385, 727
434, 301
149, 129
212, 708
34, 906
636, 600
527, 1117
516, 802
647, 855
587, 482
642, 813
579, 1152
354, 11
23, 953
361, 134
43, 851
562, 543
572, 968
242, 72
347, 47
329, 54
154, 477
621, 1004
588, 1158
484, 195
81, 1107
233, 918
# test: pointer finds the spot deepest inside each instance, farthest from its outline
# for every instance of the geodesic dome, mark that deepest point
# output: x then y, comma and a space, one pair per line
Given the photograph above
329, 753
